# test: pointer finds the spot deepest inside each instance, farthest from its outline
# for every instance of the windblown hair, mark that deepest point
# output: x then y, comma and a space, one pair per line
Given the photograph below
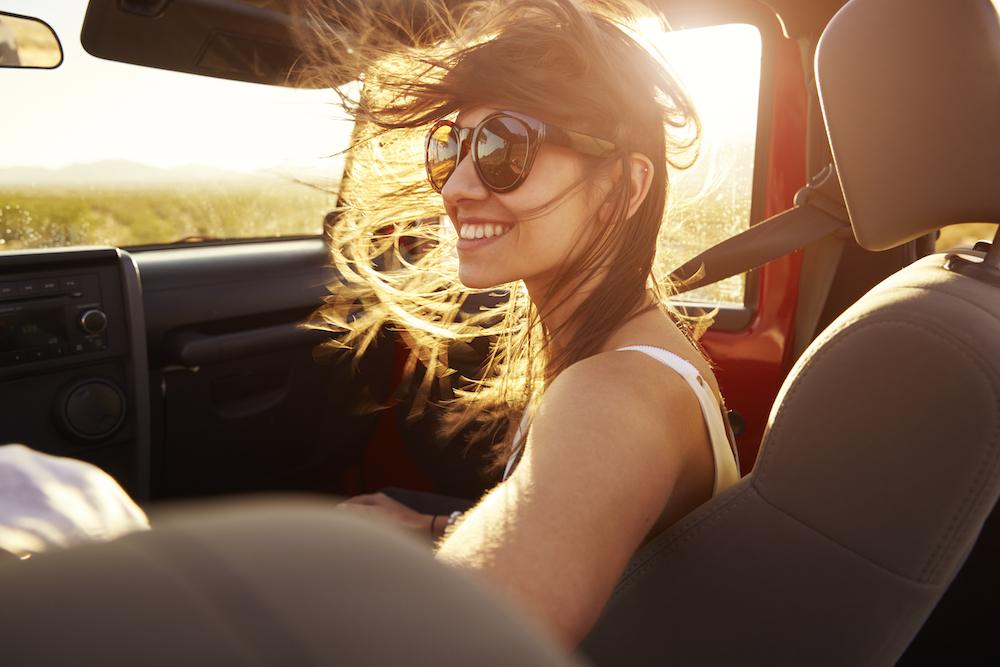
579, 65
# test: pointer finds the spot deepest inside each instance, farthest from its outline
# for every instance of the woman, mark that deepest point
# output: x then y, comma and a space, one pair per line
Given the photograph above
547, 129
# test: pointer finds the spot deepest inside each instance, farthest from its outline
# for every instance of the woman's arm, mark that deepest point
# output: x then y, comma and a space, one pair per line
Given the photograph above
616, 439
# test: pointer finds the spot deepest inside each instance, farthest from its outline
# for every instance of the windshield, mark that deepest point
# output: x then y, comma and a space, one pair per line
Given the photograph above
107, 153
102, 152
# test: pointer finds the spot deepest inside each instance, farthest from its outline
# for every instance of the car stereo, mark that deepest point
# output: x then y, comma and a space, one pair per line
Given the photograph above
51, 317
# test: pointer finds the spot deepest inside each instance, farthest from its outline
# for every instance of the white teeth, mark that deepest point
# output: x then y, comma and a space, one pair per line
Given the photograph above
476, 231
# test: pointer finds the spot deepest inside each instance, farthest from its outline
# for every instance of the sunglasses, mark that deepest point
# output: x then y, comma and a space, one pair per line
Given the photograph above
503, 148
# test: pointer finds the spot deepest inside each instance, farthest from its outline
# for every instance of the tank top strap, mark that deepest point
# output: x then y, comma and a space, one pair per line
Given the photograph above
724, 454
724, 451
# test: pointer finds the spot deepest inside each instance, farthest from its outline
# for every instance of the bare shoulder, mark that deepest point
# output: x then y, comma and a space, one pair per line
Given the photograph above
627, 399
620, 378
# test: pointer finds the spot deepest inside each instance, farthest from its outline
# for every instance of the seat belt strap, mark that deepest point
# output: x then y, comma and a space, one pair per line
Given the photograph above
818, 211
819, 267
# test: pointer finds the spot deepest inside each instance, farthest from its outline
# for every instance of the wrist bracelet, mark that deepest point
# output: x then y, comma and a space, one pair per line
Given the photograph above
433, 519
453, 521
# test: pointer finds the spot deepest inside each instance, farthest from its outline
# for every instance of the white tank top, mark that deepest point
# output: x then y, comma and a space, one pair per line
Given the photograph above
724, 451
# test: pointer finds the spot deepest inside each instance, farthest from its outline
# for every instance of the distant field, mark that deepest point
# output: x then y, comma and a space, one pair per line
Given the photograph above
699, 222
52, 217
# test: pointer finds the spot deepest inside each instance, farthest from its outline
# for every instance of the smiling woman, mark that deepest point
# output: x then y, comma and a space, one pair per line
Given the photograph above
545, 135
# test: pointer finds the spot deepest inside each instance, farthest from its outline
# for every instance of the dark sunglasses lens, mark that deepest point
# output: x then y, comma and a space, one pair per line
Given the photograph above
442, 155
502, 151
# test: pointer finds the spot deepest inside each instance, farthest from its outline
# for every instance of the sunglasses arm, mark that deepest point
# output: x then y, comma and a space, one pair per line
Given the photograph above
575, 141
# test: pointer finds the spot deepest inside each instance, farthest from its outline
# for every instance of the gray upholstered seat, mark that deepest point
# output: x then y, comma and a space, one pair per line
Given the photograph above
258, 581
882, 456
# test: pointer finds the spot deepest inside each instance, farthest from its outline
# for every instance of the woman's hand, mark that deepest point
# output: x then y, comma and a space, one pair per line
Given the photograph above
381, 505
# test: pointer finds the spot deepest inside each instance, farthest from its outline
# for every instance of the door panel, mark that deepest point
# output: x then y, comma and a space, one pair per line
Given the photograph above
240, 403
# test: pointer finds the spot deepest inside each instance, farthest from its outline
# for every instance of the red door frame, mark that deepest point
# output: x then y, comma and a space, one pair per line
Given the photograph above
751, 364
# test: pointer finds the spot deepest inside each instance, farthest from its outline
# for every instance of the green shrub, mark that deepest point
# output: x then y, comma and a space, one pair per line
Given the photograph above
37, 218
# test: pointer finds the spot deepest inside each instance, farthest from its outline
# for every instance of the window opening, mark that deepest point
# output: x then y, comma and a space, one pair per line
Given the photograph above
711, 201
102, 152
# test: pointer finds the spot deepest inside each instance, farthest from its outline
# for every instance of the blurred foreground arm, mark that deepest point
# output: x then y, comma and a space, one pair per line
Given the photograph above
50, 502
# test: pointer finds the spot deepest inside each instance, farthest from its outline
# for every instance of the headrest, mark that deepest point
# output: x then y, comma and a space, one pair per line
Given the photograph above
911, 96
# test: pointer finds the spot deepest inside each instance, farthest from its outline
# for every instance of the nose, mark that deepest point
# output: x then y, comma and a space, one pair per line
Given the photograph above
464, 184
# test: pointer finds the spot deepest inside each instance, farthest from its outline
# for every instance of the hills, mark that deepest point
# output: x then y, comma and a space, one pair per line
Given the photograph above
124, 173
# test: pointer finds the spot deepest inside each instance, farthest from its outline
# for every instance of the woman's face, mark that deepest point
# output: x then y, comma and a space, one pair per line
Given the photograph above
516, 235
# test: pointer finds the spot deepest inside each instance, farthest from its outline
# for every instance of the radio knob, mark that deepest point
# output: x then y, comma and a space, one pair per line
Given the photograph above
91, 408
93, 321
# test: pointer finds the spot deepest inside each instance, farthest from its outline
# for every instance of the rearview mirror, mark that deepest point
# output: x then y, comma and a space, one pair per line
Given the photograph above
26, 42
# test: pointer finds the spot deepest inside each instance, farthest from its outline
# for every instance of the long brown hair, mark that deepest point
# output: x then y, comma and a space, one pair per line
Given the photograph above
574, 64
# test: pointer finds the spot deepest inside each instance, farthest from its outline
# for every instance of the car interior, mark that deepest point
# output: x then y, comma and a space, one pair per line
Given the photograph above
860, 362
876, 472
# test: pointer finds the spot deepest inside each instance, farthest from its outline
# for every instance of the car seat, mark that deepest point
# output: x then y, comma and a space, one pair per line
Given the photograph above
279, 580
881, 459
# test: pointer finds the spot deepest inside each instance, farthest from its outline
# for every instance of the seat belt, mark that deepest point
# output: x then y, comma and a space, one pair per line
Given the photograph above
819, 211
819, 266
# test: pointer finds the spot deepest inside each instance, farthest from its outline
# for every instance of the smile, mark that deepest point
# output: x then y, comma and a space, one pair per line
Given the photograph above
480, 231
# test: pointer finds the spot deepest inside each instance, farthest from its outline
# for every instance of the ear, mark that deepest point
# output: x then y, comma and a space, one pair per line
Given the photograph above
641, 174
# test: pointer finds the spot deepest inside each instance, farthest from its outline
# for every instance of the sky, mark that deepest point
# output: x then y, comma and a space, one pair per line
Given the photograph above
90, 109
720, 67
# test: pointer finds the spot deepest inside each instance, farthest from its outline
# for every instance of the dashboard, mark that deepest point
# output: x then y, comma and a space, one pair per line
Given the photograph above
73, 371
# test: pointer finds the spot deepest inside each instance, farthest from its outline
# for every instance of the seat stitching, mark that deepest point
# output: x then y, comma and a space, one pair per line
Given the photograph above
673, 546
693, 519
666, 551
763, 462
909, 319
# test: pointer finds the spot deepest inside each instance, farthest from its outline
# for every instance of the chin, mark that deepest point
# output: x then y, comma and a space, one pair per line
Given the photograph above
473, 280
478, 284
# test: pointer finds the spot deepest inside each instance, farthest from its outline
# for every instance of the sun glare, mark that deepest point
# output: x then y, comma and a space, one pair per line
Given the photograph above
166, 119
720, 67
89, 110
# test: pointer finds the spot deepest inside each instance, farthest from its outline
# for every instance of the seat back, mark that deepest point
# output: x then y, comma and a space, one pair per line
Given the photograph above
881, 460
